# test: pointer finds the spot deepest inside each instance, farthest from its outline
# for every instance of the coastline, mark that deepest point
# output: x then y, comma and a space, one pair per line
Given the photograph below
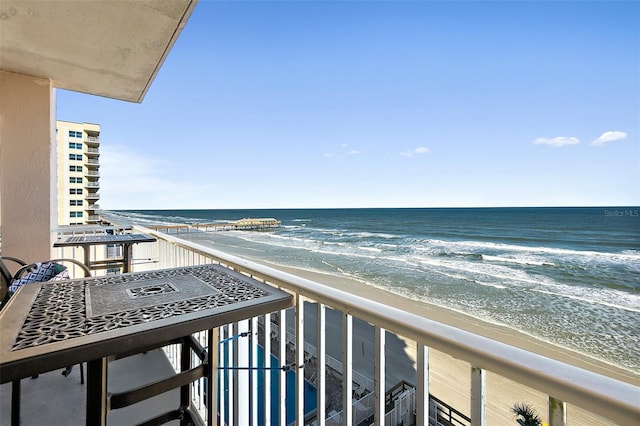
463, 321
450, 377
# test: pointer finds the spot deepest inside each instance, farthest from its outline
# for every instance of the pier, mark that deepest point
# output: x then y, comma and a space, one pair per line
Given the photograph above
247, 224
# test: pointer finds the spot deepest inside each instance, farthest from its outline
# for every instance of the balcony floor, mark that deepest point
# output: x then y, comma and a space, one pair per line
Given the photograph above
58, 400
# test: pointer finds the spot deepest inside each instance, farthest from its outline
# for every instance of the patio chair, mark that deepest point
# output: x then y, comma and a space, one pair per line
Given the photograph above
51, 270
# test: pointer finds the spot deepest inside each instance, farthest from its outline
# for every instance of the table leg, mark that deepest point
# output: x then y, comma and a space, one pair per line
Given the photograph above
87, 255
97, 392
126, 261
185, 391
212, 377
15, 403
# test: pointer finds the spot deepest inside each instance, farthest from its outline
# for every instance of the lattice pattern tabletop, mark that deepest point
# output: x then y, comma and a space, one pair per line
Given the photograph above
84, 319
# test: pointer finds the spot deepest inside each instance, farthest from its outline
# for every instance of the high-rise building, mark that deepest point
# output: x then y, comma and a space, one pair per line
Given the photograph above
78, 172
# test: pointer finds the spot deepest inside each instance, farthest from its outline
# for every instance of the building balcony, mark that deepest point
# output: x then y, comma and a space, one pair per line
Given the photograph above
91, 184
91, 173
93, 206
92, 196
364, 362
92, 152
92, 141
92, 162
93, 218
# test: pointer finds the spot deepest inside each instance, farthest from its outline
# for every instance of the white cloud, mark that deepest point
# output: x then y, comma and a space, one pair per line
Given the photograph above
557, 141
130, 180
344, 153
417, 151
608, 137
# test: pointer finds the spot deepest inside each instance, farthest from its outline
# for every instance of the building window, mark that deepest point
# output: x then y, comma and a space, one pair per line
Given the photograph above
78, 180
75, 214
72, 134
74, 203
75, 191
72, 168
72, 180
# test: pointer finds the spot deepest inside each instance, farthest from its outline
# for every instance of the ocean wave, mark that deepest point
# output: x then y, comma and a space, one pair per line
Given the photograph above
371, 249
483, 246
591, 300
515, 260
500, 273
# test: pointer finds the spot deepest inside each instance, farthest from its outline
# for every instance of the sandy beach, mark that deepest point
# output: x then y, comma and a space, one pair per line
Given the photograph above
449, 377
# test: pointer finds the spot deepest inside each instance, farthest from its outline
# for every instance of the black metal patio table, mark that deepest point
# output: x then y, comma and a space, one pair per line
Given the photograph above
51, 325
86, 241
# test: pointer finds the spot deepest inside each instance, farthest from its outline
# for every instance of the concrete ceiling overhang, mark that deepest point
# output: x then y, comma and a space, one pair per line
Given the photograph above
110, 48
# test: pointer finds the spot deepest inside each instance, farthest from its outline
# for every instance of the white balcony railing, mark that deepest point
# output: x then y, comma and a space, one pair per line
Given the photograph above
608, 400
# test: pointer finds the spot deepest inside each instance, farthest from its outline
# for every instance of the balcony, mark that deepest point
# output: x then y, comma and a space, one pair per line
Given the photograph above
92, 152
92, 141
92, 173
368, 361
92, 196
90, 184
93, 218
92, 162
93, 206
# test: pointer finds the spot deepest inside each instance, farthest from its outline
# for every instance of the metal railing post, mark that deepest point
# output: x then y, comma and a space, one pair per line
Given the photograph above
379, 382
478, 396
299, 360
422, 386
347, 369
321, 363
557, 412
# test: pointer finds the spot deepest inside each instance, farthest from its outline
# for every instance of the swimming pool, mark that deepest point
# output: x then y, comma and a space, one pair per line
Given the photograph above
310, 392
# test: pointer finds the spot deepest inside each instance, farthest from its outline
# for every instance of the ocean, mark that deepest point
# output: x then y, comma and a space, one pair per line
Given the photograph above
567, 276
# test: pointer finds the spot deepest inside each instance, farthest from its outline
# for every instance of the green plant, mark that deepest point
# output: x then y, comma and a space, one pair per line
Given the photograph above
526, 415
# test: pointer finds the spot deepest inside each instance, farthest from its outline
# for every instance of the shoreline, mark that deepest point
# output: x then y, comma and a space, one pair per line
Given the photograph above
450, 377
462, 321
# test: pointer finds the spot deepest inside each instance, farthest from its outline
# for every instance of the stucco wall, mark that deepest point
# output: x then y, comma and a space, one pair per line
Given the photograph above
27, 166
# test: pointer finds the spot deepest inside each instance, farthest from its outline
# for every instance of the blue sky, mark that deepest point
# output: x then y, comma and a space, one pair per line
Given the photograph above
381, 104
